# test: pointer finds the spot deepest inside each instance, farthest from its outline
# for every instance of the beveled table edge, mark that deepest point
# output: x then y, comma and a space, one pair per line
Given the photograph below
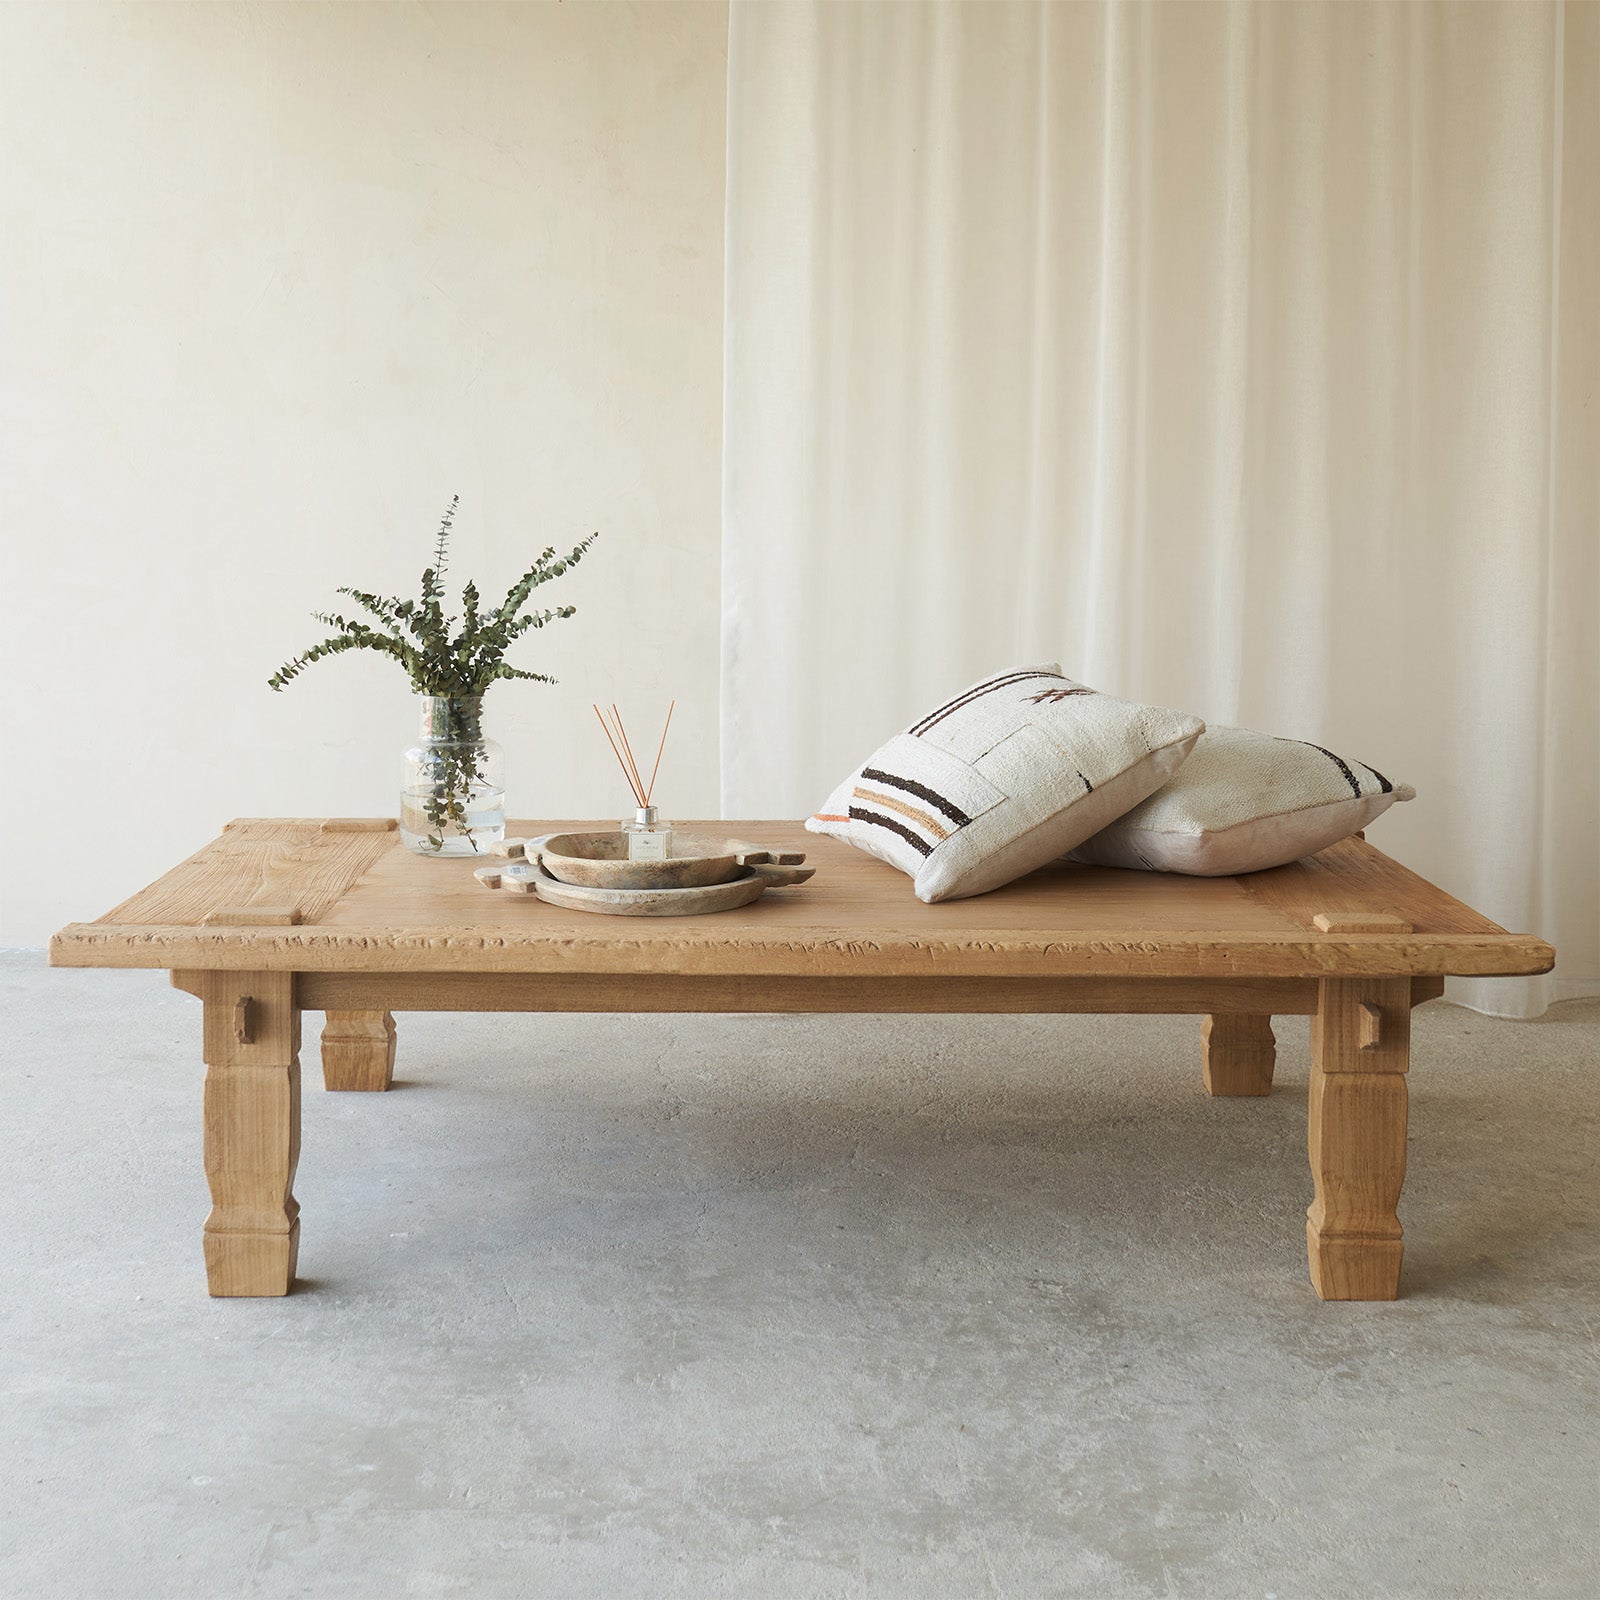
819, 952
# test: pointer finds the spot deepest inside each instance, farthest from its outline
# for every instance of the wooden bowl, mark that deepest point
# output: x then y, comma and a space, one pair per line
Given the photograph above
600, 861
697, 901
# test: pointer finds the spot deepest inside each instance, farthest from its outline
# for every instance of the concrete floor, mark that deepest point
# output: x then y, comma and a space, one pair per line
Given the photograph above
768, 1307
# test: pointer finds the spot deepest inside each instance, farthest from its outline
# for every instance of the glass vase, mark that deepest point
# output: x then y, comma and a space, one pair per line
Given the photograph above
454, 799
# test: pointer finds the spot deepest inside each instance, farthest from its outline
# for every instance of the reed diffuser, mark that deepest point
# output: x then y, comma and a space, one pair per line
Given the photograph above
649, 835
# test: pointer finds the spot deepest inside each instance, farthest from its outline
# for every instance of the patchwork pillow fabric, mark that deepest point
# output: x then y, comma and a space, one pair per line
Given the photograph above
1007, 775
1243, 802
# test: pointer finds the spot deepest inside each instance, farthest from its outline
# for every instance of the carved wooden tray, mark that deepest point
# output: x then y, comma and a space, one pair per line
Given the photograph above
600, 860
693, 901
696, 900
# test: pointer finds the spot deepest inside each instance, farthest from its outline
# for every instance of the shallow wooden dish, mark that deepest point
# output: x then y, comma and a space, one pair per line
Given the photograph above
600, 861
693, 901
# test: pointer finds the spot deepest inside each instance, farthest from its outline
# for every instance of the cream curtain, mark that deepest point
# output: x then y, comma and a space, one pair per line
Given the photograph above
1242, 357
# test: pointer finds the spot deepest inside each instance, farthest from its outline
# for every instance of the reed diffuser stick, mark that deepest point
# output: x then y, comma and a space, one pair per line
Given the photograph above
617, 737
650, 788
627, 750
638, 794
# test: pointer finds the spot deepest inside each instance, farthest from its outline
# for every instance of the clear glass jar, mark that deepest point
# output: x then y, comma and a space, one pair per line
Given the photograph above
649, 835
454, 799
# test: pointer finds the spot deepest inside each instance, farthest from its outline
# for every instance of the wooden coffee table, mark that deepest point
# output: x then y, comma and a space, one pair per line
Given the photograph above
277, 917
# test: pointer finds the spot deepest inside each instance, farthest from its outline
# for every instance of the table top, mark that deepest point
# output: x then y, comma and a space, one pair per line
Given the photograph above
344, 895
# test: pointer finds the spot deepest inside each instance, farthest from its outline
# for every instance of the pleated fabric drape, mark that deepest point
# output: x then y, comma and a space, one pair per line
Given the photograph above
1242, 357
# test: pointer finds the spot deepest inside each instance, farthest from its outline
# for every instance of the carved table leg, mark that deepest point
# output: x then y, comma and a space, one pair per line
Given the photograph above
1237, 1054
252, 1131
1360, 1048
358, 1050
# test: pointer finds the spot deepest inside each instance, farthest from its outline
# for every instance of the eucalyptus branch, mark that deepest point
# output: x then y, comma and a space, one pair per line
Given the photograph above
417, 633
447, 664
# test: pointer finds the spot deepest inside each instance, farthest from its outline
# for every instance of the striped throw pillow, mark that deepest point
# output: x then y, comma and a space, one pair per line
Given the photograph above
1007, 775
1243, 802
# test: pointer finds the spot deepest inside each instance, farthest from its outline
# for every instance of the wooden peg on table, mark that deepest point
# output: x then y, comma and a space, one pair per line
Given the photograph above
1369, 1026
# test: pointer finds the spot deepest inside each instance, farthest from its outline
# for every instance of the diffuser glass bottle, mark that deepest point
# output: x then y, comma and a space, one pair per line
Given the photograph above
649, 835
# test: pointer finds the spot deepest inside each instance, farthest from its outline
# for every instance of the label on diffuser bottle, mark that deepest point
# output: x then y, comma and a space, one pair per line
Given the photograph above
652, 844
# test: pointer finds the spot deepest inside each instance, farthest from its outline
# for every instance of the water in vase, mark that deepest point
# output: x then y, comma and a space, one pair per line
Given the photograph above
441, 835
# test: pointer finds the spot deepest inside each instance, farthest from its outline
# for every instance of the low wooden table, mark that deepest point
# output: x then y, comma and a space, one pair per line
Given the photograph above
277, 917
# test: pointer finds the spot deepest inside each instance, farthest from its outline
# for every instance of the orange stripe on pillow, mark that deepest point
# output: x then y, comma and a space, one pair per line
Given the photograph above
910, 813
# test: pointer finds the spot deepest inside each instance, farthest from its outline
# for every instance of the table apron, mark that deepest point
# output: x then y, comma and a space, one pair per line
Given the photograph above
658, 992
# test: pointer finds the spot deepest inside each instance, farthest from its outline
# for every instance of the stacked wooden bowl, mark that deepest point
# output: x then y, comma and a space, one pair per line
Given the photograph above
593, 872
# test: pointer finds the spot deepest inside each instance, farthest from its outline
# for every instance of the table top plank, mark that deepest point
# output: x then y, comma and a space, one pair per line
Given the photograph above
303, 863
367, 904
1355, 877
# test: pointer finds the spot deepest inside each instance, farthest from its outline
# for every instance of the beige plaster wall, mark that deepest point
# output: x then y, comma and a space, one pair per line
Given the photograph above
275, 282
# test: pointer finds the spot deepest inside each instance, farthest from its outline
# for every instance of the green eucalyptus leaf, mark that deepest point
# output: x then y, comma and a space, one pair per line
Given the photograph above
417, 633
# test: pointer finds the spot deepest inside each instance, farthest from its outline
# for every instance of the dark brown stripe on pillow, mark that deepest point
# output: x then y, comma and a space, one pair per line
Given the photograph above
1349, 776
950, 705
951, 810
977, 693
878, 820
915, 815
1384, 786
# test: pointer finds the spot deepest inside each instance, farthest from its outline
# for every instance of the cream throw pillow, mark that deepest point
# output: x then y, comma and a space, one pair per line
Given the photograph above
1004, 777
1244, 802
